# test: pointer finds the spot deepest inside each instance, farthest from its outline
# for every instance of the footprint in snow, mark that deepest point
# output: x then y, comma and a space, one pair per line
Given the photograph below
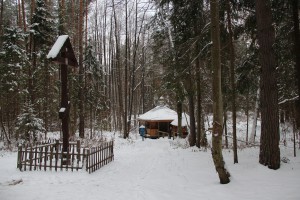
14, 182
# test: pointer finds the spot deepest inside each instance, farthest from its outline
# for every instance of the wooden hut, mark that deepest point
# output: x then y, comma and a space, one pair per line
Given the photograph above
163, 121
158, 121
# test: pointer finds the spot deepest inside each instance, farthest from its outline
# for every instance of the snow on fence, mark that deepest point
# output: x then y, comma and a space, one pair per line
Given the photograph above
50, 156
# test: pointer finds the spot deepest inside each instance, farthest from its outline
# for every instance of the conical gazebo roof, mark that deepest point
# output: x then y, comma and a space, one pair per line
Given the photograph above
159, 114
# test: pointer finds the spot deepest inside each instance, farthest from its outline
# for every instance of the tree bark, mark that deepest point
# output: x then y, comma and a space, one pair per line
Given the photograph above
125, 117
232, 82
200, 140
192, 138
297, 56
19, 14
118, 77
81, 73
179, 113
86, 23
254, 124
269, 142
217, 96
3, 127
1, 22
247, 114
24, 17
225, 129
62, 16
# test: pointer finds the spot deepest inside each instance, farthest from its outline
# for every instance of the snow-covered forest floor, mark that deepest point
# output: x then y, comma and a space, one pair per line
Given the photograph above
157, 169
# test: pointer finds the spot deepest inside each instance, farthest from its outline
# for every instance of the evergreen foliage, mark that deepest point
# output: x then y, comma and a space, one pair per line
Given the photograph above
28, 125
13, 59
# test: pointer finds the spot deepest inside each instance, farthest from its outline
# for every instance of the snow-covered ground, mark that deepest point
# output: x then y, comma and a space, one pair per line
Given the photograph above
153, 170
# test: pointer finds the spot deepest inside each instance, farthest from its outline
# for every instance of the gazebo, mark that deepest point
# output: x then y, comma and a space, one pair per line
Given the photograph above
158, 121
185, 122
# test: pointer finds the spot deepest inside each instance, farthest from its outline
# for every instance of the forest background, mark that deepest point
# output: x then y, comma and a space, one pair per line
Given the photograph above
131, 53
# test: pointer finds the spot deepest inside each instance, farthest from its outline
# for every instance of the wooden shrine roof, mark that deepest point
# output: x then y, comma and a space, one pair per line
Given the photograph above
62, 52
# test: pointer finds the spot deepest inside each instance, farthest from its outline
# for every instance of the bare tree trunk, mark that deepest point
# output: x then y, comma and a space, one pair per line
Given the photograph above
74, 106
112, 102
3, 128
23, 15
269, 140
247, 114
297, 56
217, 96
179, 113
32, 56
225, 129
254, 124
62, 15
1, 22
19, 14
24, 23
143, 80
91, 121
81, 72
200, 131
72, 23
86, 23
192, 120
125, 117
32, 7
118, 77
232, 82
134, 62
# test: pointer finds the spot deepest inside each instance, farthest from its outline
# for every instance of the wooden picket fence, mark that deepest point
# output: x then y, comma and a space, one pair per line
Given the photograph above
51, 157
99, 156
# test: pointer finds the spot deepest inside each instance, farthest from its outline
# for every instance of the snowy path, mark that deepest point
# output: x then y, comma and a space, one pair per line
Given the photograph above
155, 169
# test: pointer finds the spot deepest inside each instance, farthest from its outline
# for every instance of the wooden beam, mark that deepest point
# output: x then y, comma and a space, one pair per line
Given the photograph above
62, 61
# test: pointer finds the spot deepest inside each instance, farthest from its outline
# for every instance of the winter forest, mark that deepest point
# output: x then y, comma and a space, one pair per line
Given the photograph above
232, 66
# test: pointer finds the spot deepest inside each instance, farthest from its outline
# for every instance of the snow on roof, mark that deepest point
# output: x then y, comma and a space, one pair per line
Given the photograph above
57, 46
185, 121
159, 113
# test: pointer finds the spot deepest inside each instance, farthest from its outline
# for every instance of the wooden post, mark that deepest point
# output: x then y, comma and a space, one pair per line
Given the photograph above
88, 161
56, 155
78, 150
64, 110
51, 156
26, 146
30, 158
45, 158
72, 158
40, 157
19, 163
35, 158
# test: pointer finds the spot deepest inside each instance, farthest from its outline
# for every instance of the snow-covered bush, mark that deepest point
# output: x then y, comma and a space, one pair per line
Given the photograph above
28, 125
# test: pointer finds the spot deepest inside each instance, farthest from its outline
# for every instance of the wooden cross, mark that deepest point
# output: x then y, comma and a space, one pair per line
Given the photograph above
63, 54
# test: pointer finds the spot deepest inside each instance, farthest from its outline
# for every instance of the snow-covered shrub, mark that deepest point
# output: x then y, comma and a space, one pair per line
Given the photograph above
28, 125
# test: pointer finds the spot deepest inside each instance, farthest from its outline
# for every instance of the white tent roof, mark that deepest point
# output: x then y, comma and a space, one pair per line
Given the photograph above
185, 121
163, 113
159, 113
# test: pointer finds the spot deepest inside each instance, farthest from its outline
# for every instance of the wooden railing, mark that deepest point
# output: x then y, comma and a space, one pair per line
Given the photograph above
51, 157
